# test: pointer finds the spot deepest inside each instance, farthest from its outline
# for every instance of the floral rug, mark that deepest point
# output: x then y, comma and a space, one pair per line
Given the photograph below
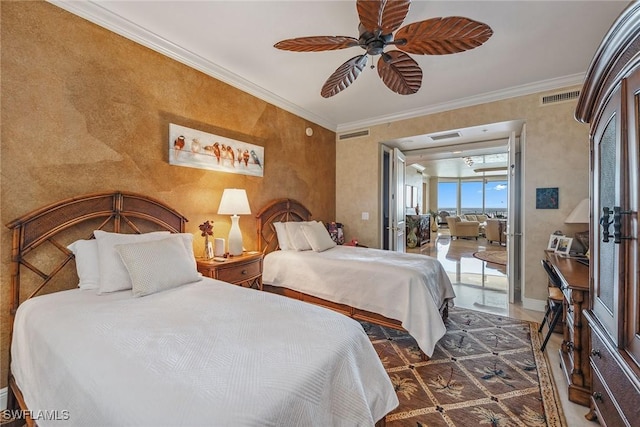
495, 257
486, 370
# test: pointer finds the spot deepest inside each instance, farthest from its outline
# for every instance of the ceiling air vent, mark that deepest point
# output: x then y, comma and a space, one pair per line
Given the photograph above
356, 134
559, 97
445, 136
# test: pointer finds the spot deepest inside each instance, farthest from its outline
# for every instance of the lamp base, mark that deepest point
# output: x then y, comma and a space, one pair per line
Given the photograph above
235, 236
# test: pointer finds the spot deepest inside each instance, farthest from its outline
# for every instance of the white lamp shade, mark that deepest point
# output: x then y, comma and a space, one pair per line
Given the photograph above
580, 214
234, 202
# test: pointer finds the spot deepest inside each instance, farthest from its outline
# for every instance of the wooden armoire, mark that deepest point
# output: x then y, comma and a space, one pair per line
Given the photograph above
610, 103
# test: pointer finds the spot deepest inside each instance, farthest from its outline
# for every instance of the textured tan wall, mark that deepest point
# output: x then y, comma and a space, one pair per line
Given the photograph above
85, 110
556, 155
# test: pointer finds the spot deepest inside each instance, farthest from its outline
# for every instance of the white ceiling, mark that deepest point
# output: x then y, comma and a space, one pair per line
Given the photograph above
536, 46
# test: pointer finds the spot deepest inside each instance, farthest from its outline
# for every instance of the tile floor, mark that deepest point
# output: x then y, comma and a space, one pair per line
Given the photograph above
482, 286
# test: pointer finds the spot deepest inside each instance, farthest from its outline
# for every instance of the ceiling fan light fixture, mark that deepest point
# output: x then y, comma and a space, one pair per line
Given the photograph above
379, 19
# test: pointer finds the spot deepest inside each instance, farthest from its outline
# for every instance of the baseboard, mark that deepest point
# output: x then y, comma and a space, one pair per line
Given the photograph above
534, 304
3, 398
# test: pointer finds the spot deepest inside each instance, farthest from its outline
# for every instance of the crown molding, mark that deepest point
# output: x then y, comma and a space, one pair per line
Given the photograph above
499, 95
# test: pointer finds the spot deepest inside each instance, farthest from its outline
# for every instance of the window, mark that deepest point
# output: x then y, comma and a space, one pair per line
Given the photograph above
448, 197
473, 196
495, 197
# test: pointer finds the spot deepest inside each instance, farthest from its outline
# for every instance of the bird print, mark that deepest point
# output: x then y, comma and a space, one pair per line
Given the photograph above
231, 156
213, 150
255, 158
178, 145
195, 145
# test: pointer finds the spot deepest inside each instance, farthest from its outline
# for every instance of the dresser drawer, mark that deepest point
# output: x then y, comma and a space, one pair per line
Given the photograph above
605, 406
240, 272
609, 373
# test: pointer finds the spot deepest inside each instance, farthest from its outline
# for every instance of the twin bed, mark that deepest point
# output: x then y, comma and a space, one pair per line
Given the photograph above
397, 290
186, 350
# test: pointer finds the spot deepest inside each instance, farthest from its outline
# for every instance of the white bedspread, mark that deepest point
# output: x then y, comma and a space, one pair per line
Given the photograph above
402, 286
208, 353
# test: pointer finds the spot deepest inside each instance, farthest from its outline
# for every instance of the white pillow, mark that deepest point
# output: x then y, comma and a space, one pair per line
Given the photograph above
283, 237
297, 239
318, 236
87, 263
113, 274
159, 265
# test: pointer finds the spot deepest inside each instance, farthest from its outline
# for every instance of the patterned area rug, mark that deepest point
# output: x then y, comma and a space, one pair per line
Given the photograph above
486, 370
495, 257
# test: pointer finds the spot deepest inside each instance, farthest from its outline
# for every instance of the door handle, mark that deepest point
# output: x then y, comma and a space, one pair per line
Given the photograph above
617, 226
605, 223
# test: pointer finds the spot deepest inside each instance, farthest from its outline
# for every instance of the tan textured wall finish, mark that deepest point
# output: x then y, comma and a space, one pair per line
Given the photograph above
556, 155
85, 110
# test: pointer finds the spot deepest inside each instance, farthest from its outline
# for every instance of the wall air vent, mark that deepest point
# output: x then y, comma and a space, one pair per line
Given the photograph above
445, 136
355, 134
559, 97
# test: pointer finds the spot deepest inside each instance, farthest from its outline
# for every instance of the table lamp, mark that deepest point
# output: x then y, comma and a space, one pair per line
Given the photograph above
580, 215
234, 202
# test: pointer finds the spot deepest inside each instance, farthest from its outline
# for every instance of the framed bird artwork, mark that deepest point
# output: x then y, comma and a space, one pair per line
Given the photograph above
197, 149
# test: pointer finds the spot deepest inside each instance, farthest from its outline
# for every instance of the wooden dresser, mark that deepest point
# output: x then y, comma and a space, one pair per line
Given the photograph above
574, 352
610, 103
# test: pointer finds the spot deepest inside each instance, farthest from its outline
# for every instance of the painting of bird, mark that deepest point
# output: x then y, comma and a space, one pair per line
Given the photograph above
231, 155
214, 149
255, 158
178, 144
195, 145
200, 148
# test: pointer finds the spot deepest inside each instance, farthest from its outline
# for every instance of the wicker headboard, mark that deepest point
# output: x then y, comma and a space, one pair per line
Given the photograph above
282, 210
77, 217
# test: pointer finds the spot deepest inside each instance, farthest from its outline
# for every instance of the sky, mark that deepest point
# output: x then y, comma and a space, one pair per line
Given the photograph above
496, 195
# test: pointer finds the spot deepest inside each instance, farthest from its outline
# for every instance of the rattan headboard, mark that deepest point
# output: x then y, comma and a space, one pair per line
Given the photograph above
117, 212
283, 210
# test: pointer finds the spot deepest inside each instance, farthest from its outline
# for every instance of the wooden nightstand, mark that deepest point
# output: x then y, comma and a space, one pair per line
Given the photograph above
243, 270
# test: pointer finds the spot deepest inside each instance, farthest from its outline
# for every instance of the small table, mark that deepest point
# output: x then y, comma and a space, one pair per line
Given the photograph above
243, 270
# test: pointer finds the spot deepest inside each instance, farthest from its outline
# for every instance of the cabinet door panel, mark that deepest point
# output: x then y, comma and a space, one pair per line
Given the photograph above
607, 144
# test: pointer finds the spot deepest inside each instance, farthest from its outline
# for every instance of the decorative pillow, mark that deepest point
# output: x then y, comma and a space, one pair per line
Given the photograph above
297, 239
113, 274
283, 237
87, 263
156, 266
318, 236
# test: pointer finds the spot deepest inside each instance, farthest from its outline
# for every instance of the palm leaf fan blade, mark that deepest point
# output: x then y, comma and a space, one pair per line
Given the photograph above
346, 74
400, 72
383, 15
316, 43
442, 36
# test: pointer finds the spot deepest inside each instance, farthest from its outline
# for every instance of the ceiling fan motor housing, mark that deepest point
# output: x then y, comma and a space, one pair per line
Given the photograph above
374, 44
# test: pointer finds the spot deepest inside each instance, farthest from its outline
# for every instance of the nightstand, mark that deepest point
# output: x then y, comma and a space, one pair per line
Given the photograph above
243, 270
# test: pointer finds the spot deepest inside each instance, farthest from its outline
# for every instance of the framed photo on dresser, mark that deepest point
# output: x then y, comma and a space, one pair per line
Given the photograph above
564, 245
553, 242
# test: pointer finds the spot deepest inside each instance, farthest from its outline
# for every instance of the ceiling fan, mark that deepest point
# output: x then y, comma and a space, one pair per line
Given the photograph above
378, 20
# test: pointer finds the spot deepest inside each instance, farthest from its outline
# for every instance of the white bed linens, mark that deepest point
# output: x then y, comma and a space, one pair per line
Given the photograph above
402, 286
207, 353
